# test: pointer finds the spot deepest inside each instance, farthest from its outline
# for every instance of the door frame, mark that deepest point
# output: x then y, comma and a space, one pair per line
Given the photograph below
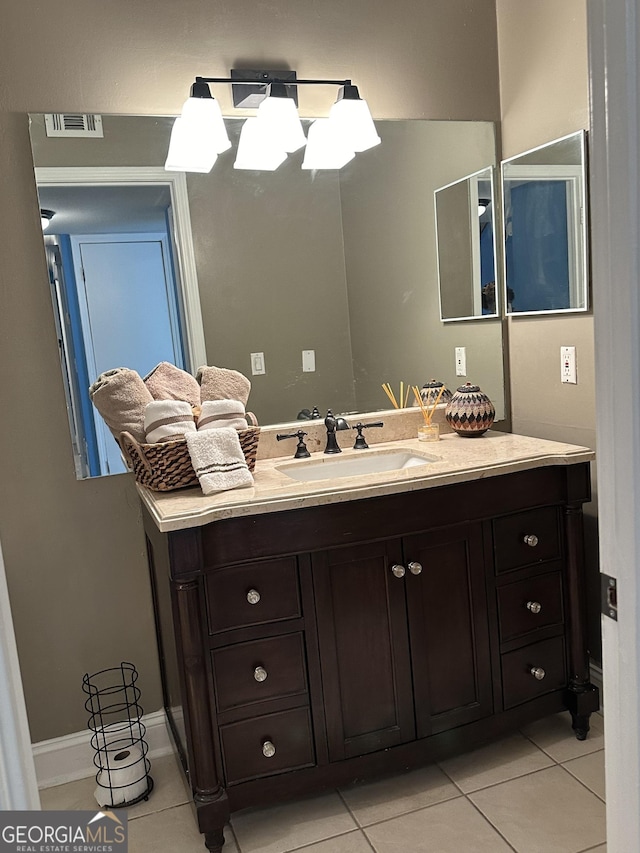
187, 280
614, 69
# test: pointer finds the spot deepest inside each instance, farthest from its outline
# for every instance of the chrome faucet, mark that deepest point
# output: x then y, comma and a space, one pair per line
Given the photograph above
332, 424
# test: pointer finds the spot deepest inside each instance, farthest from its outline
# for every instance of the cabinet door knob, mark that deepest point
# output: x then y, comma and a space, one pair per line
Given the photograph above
415, 568
398, 571
531, 540
537, 672
253, 596
534, 606
268, 749
260, 673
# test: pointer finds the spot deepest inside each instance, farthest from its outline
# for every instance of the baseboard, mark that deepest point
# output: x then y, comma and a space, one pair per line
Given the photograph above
67, 758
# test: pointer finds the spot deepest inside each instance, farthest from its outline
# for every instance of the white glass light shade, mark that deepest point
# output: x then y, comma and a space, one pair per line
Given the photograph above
189, 151
325, 149
279, 121
255, 151
45, 222
482, 206
203, 115
353, 122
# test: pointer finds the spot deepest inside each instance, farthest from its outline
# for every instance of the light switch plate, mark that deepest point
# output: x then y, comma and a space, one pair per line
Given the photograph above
461, 361
257, 364
308, 360
568, 373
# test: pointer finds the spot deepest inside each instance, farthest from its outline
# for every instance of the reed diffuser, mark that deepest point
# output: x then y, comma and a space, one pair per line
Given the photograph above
428, 431
403, 396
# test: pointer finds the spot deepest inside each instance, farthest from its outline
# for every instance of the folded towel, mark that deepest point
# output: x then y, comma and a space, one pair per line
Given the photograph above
219, 383
218, 460
168, 420
222, 413
168, 382
120, 396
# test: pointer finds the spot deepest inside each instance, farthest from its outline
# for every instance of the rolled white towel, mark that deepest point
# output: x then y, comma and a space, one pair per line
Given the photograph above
215, 414
168, 420
218, 460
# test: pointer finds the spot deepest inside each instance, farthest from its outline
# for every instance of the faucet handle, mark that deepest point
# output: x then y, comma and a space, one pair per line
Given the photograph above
301, 449
360, 443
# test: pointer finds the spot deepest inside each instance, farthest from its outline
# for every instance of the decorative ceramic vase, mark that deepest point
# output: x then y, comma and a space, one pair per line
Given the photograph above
430, 391
470, 413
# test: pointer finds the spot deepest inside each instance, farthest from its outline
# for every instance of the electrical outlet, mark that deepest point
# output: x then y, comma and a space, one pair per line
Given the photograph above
568, 372
257, 364
461, 361
308, 360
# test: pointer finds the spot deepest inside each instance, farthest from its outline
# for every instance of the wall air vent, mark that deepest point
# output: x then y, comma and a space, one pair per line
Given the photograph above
73, 124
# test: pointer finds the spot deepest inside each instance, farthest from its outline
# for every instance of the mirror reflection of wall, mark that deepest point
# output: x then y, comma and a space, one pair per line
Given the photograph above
342, 263
545, 228
466, 247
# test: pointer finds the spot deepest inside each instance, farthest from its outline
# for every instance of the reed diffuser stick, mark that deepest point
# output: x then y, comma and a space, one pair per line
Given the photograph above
436, 403
425, 414
387, 390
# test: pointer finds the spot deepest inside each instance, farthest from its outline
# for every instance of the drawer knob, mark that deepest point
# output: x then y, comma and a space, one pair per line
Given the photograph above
398, 571
268, 749
415, 568
260, 673
534, 606
531, 540
538, 672
253, 596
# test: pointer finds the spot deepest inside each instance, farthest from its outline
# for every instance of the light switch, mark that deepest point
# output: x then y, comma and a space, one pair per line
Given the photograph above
461, 361
568, 371
257, 364
308, 360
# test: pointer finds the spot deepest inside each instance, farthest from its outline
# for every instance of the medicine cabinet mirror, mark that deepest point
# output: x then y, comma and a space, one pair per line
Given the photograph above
466, 254
545, 228
339, 262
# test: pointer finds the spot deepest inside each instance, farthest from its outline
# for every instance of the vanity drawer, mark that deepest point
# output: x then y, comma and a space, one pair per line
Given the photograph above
526, 538
265, 745
252, 594
519, 683
254, 672
530, 604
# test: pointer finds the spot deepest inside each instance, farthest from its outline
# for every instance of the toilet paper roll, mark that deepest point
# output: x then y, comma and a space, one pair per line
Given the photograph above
123, 777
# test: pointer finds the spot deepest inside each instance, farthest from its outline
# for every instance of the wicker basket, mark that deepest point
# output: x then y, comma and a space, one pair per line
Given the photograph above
167, 465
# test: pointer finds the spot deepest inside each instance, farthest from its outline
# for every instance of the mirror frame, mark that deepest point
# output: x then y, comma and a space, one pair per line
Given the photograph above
472, 180
577, 221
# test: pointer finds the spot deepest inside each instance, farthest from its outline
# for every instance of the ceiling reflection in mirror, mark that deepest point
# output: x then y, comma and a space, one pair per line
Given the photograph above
342, 263
466, 248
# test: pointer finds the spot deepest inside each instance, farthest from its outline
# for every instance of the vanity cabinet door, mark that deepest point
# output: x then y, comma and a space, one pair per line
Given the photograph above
448, 626
362, 630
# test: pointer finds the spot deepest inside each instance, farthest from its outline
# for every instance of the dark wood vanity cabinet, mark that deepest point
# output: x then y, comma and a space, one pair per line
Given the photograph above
308, 648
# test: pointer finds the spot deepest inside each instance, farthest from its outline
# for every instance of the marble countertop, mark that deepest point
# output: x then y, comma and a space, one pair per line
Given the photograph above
450, 460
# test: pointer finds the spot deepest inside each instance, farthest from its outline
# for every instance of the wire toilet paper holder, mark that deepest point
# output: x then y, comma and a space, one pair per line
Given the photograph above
118, 740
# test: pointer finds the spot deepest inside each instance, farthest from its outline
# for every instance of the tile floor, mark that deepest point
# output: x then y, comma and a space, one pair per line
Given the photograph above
537, 791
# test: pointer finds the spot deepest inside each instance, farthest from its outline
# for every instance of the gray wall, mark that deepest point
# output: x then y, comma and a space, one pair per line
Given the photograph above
544, 95
74, 551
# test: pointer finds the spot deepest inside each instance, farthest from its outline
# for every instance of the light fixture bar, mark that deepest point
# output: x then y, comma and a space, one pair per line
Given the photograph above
267, 80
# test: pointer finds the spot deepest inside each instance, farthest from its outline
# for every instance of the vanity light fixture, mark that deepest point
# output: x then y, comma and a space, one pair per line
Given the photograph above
45, 217
198, 134
483, 204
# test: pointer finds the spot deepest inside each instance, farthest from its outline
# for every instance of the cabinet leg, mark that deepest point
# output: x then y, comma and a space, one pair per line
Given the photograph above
580, 724
581, 700
214, 840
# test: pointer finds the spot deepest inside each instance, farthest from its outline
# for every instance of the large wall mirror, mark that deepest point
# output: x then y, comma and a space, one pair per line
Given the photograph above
545, 228
342, 263
466, 244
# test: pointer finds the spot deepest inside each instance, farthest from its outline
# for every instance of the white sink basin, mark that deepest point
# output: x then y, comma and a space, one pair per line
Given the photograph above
367, 462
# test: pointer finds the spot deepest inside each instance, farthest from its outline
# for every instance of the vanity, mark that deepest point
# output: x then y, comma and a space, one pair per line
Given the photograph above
316, 632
